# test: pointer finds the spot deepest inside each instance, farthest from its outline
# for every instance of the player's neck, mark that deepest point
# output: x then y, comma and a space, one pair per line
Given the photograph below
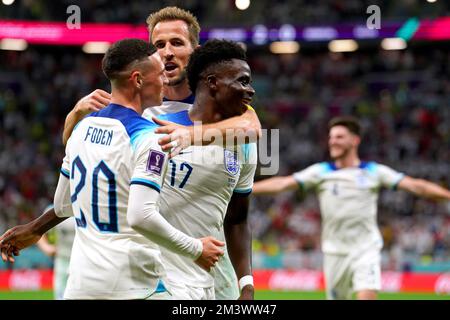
203, 110
178, 92
126, 100
348, 162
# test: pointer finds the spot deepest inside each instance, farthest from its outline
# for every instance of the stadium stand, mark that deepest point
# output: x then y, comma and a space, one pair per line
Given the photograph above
401, 96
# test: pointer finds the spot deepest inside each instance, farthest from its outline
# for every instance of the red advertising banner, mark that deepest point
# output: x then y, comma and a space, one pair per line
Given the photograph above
438, 29
59, 33
287, 280
309, 280
26, 280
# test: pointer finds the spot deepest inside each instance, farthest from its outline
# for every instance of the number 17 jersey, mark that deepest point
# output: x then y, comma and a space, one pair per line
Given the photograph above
198, 187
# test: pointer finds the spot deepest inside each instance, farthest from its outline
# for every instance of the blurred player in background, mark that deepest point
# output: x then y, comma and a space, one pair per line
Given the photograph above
175, 33
348, 191
112, 162
60, 248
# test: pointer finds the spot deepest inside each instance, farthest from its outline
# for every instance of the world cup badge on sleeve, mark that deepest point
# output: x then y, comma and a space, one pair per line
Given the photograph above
155, 162
231, 162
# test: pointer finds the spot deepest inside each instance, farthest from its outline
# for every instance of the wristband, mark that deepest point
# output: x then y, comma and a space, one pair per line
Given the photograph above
244, 281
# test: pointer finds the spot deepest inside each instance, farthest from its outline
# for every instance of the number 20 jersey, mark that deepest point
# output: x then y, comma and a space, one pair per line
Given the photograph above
107, 152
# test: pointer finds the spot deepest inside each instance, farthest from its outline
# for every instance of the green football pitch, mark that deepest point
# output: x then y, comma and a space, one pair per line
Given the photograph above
260, 295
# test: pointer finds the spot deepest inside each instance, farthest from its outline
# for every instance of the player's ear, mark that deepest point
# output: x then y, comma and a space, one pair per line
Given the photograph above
136, 79
357, 140
211, 81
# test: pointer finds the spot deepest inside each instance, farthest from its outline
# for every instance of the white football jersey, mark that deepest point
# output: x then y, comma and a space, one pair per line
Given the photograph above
348, 203
197, 189
108, 151
168, 108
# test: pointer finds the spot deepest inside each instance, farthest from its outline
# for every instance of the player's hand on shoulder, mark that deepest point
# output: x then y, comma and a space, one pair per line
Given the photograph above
16, 239
211, 252
247, 293
177, 138
95, 101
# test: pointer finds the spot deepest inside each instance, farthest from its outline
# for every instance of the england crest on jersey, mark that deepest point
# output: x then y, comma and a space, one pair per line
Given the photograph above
231, 162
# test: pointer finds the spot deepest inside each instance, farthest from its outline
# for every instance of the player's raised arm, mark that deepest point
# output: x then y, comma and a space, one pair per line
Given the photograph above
424, 188
95, 101
239, 242
241, 129
275, 185
245, 128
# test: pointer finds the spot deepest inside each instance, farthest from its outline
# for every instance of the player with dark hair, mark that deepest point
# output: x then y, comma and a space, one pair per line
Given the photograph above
215, 52
349, 122
348, 193
112, 162
208, 187
223, 56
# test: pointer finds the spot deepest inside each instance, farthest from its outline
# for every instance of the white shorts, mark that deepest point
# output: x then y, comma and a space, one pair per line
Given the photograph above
181, 291
225, 281
346, 274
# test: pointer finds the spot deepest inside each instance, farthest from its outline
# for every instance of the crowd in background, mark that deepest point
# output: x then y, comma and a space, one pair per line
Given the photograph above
401, 97
402, 100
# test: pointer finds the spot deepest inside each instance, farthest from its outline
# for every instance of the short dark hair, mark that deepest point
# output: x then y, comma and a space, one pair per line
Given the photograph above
212, 52
350, 122
124, 52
